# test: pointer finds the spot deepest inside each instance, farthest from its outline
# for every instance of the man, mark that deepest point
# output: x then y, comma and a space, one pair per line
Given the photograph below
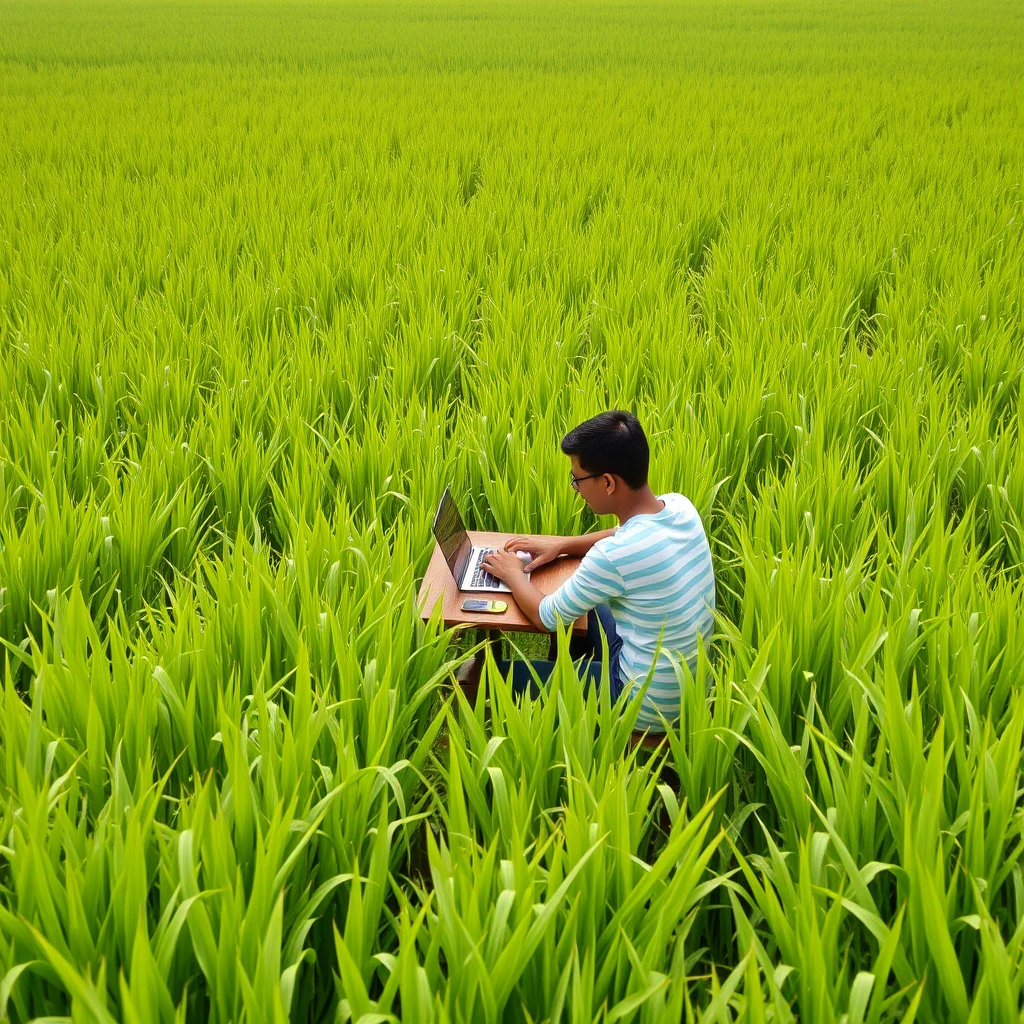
649, 577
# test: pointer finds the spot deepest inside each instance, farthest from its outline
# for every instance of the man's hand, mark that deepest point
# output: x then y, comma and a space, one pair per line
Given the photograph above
504, 565
510, 570
543, 549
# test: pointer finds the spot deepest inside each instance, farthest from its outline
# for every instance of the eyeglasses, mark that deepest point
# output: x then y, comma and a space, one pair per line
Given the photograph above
576, 479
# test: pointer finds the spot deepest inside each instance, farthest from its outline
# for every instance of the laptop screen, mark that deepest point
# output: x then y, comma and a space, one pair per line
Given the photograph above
450, 534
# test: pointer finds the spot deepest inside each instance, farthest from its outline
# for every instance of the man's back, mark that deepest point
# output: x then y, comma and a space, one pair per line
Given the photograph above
655, 571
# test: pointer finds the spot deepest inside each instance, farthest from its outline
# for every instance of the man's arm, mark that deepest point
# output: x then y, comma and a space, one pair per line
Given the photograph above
579, 546
509, 570
527, 596
546, 549
595, 580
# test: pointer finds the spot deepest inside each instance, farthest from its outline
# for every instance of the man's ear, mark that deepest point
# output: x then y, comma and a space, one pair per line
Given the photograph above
609, 482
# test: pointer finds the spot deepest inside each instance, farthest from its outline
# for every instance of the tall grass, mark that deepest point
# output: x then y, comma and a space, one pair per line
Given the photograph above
271, 275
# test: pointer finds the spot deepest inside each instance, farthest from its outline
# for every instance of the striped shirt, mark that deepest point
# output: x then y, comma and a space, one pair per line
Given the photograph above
655, 571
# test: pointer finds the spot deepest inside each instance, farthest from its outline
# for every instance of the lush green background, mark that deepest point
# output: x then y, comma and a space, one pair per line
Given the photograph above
272, 274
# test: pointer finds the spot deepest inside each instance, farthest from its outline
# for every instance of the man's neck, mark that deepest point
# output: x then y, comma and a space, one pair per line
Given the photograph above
642, 503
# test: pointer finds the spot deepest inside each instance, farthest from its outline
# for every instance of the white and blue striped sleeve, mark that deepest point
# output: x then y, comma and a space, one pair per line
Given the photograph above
595, 580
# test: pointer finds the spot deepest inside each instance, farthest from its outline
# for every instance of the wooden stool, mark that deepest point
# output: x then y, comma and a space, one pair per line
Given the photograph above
657, 742
645, 740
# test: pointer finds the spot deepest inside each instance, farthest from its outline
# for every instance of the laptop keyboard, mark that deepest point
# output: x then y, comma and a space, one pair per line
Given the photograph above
481, 577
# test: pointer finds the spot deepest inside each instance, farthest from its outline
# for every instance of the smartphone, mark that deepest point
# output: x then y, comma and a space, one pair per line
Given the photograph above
481, 604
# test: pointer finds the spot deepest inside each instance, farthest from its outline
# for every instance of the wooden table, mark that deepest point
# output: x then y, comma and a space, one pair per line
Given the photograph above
439, 585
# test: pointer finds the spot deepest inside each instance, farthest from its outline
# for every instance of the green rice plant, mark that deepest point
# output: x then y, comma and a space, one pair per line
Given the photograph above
273, 275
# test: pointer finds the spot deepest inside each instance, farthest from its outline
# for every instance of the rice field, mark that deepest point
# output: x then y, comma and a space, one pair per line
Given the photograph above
272, 274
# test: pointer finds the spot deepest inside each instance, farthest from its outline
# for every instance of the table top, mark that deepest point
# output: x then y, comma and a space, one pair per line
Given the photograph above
438, 584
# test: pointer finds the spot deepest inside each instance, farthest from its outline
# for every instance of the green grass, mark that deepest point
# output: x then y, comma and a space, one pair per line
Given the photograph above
273, 274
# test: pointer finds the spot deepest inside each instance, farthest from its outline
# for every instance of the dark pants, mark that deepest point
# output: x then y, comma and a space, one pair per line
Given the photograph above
585, 651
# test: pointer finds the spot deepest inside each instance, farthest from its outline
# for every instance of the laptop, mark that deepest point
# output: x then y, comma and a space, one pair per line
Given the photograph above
463, 559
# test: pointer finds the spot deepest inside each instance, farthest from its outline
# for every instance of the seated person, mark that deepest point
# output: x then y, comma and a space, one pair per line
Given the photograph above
650, 576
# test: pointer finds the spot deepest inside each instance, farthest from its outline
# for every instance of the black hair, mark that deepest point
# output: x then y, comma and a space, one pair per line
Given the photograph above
611, 442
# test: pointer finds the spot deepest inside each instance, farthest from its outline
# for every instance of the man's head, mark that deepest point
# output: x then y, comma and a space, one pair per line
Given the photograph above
610, 456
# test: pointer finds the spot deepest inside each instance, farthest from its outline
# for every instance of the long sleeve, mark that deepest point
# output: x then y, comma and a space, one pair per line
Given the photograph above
595, 580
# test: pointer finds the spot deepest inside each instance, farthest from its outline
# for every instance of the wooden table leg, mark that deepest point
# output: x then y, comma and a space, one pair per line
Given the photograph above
493, 641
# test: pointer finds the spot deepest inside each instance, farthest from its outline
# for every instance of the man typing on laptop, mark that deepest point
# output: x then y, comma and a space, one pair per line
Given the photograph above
649, 577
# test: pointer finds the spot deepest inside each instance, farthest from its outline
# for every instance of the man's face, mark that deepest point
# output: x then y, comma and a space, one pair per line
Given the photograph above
596, 491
